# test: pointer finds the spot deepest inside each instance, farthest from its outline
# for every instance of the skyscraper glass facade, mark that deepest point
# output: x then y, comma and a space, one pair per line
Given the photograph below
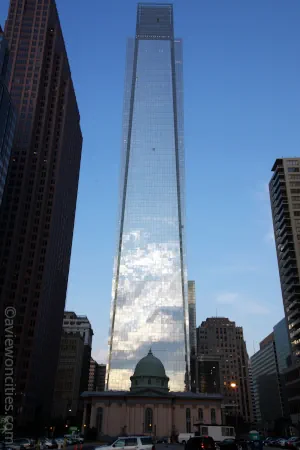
149, 293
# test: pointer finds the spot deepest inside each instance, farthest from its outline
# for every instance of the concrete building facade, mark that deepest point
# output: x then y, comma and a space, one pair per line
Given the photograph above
285, 203
67, 384
96, 376
218, 336
73, 323
39, 203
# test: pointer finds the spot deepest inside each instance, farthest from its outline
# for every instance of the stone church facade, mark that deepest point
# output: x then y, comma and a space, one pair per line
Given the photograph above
149, 407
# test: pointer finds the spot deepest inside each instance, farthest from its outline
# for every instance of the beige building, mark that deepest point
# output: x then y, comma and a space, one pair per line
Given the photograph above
149, 407
221, 338
285, 202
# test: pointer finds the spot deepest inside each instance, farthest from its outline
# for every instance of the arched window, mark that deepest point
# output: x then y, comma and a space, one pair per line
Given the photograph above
213, 415
200, 414
148, 420
188, 420
99, 419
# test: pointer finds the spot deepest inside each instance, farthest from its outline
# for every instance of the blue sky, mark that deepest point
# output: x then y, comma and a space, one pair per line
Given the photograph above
242, 110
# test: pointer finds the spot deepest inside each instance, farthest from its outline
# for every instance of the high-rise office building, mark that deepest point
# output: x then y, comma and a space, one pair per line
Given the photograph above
193, 334
39, 202
208, 373
192, 316
282, 344
96, 376
252, 394
67, 391
149, 293
285, 202
7, 113
218, 336
74, 323
267, 389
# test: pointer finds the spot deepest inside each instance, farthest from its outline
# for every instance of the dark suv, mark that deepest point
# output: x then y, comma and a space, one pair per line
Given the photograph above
201, 443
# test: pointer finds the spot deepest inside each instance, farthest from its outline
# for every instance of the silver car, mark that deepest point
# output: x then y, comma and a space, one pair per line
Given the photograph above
130, 443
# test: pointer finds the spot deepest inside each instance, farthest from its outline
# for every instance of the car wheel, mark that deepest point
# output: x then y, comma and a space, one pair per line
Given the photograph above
183, 442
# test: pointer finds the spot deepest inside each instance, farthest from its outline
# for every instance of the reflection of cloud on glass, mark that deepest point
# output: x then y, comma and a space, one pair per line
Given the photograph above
149, 306
167, 314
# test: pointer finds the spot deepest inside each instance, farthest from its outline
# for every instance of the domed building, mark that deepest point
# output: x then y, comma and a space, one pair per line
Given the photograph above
149, 407
149, 372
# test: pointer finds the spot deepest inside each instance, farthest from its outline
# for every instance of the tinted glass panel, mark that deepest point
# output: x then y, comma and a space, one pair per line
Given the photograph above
149, 295
146, 440
131, 442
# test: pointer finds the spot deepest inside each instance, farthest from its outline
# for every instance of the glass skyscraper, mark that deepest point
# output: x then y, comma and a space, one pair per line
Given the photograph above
149, 292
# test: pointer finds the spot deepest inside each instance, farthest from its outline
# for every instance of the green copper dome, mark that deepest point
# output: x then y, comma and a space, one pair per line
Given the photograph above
149, 374
150, 366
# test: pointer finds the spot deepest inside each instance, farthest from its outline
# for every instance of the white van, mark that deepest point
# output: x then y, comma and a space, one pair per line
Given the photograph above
184, 437
217, 432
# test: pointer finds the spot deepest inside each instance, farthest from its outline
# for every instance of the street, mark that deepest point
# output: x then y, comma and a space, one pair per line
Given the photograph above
93, 445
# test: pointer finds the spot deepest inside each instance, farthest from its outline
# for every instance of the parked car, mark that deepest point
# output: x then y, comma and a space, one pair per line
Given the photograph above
71, 439
229, 444
201, 443
293, 442
281, 442
79, 438
131, 442
273, 442
163, 440
22, 443
267, 441
46, 443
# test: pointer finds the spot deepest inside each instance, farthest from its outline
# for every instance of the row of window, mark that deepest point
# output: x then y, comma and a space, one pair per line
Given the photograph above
148, 424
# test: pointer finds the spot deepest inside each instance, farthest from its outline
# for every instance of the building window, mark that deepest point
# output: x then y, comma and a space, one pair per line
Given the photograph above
188, 420
99, 419
213, 415
148, 420
200, 414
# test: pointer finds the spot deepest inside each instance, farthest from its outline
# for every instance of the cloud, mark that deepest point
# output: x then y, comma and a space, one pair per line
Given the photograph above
100, 355
227, 298
241, 304
262, 192
269, 237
